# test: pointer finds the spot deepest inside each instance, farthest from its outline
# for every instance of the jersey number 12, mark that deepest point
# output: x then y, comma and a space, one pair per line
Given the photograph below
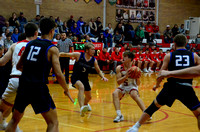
33, 51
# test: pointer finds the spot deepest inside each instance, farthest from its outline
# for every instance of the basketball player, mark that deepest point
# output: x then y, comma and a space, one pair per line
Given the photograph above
85, 62
14, 54
127, 85
174, 88
35, 64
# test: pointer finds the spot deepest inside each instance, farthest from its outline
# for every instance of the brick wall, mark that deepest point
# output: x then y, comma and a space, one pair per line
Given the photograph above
170, 11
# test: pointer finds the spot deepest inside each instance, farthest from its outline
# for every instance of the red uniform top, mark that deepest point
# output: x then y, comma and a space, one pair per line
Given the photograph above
147, 56
149, 28
141, 56
161, 56
116, 57
155, 29
122, 50
104, 56
150, 50
154, 57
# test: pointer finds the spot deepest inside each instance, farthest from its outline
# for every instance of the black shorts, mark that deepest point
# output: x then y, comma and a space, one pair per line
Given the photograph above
185, 94
41, 101
84, 81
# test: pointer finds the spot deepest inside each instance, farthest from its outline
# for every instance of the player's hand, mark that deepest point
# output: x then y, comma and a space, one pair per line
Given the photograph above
104, 79
163, 74
66, 92
155, 87
128, 73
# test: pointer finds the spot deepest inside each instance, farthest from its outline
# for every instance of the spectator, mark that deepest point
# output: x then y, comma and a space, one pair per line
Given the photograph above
64, 46
104, 59
124, 48
87, 39
118, 39
22, 21
1, 40
8, 42
168, 35
150, 38
56, 29
13, 20
36, 20
4, 34
187, 46
175, 30
197, 40
59, 22
149, 28
173, 48
156, 31
80, 22
70, 22
7, 26
76, 32
85, 30
93, 27
181, 29
64, 27
108, 38
140, 35
73, 38
99, 25
110, 28
15, 35
101, 38
119, 28
161, 55
57, 38
117, 59
129, 31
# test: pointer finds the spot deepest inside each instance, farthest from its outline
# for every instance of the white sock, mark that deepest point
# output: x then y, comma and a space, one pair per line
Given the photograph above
137, 124
149, 68
119, 112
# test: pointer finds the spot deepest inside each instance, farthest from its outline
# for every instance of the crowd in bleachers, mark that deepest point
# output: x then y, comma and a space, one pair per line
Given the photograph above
119, 39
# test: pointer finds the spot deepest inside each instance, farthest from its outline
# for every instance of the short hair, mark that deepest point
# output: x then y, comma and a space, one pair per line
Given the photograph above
9, 34
180, 40
88, 45
22, 36
30, 29
129, 55
46, 25
147, 50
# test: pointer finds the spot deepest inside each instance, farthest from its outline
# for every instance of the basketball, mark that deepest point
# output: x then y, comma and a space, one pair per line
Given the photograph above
135, 72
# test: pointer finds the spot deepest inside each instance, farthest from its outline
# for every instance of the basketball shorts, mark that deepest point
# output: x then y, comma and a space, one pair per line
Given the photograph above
11, 91
127, 90
173, 91
84, 81
41, 101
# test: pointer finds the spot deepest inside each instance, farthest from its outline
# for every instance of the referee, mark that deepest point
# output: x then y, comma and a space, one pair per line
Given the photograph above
64, 45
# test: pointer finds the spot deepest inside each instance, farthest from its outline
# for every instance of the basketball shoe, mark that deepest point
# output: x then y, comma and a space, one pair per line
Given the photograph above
83, 110
118, 118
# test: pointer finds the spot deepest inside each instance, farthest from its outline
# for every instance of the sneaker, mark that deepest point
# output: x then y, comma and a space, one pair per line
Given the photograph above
111, 72
18, 130
118, 118
3, 125
89, 108
132, 129
145, 70
83, 110
150, 118
150, 70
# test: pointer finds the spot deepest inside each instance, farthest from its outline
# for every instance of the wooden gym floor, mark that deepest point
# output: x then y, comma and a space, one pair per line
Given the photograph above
175, 119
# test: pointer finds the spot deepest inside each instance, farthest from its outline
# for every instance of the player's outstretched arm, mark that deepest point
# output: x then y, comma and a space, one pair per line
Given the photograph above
53, 56
76, 55
8, 55
99, 71
120, 78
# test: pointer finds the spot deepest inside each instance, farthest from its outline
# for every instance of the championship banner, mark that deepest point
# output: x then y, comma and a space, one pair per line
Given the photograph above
98, 1
87, 1
112, 2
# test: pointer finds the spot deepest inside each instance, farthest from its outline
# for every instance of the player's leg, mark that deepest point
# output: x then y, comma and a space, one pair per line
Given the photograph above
145, 66
12, 125
158, 65
197, 115
117, 95
51, 120
139, 64
137, 99
88, 97
150, 65
79, 85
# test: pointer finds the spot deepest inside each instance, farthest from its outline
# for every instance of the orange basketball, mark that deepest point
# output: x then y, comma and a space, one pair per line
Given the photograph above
135, 72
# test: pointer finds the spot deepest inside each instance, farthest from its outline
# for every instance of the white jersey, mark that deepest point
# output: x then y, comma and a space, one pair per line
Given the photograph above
19, 48
129, 83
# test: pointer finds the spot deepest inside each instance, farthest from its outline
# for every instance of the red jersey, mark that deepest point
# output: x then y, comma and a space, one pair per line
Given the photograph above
116, 57
147, 56
155, 29
104, 56
141, 56
149, 28
122, 50
154, 57
161, 56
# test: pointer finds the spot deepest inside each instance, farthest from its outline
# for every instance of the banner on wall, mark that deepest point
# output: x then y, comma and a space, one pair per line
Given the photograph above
98, 1
135, 10
87, 1
112, 2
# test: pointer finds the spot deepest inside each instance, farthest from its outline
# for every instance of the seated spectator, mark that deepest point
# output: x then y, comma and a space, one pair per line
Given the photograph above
139, 35
168, 35
7, 26
181, 29
13, 20
36, 20
4, 34
156, 31
87, 39
119, 28
76, 32
147, 56
101, 38
117, 59
129, 31
148, 27
80, 22
118, 39
70, 22
59, 22
161, 55
64, 28
8, 42
85, 30
150, 38
140, 60
22, 21
197, 40
108, 38
57, 38
56, 29
110, 28
175, 30
154, 47
99, 25
93, 27
147, 47
124, 48
15, 35
173, 48
104, 59
154, 57
73, 38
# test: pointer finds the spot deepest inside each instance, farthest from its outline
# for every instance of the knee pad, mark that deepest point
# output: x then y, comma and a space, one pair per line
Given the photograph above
151, 109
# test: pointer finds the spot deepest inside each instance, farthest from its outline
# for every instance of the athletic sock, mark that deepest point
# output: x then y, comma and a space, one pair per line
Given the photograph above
137, 124
119, 112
